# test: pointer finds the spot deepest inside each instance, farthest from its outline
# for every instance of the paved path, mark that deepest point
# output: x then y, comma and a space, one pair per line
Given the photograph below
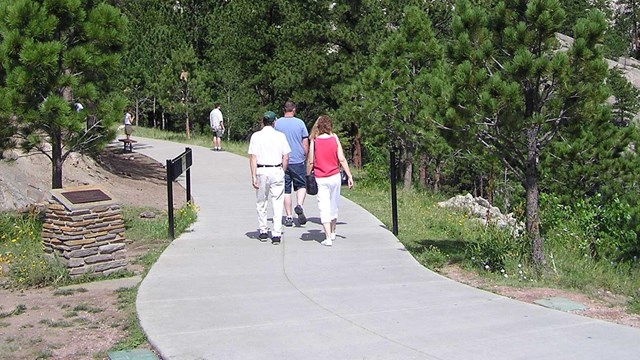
219, 293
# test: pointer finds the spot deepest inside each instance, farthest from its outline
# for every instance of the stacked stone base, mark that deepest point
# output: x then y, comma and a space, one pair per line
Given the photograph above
88, 241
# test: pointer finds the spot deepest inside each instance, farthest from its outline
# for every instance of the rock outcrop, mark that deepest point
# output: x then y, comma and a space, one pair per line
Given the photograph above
479, 208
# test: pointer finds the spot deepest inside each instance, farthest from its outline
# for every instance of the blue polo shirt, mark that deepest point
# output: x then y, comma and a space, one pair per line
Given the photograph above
295, 131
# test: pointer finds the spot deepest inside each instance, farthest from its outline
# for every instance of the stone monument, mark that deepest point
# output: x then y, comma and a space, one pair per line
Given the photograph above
84, 227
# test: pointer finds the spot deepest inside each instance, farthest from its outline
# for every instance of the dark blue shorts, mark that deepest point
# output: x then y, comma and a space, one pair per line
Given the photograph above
296, 173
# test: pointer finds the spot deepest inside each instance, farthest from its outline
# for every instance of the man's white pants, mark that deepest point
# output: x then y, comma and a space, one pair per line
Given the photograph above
270, 186
328, 197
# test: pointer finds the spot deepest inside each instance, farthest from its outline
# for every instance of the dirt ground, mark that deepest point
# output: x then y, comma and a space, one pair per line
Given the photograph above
604, 305
83, 323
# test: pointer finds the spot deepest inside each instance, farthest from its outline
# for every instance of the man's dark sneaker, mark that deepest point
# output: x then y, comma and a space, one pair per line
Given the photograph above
288, 221
275, 240
263, 236
301, 218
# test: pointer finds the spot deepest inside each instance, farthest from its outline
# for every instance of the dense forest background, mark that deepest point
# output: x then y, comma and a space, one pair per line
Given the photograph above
471, 96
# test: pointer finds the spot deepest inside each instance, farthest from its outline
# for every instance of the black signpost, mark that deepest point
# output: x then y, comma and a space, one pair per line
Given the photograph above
175, 168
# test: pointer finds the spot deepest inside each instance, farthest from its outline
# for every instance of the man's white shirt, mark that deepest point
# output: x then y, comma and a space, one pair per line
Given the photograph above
215, 118
268, 145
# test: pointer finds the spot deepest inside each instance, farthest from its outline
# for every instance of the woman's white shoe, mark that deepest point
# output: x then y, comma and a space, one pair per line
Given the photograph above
327, 242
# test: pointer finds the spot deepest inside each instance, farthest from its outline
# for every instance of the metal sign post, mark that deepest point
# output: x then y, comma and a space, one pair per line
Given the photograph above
175, 168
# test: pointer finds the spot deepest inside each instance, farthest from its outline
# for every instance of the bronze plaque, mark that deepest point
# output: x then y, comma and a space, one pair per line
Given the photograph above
85, 196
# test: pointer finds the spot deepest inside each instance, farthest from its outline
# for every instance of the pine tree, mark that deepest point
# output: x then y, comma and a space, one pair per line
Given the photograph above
629, 11
54, 54
627, 98
515, 92
395, 89
603, 161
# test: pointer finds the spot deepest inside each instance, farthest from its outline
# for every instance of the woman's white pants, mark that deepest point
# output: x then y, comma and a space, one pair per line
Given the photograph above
328, 197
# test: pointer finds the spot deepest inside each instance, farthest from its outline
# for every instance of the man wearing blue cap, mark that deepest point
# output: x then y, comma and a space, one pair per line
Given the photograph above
268, 161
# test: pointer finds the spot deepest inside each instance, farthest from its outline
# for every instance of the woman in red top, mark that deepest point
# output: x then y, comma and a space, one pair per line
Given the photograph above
325, 158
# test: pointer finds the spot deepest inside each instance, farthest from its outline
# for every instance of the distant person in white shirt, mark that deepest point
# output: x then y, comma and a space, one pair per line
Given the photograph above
268, 160
128, 123
217, 126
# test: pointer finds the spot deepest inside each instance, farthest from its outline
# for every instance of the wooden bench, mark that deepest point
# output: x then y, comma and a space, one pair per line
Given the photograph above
128, 144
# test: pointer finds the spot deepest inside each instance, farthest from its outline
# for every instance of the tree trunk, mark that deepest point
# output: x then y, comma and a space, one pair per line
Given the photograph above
186, 123
227, 121
135, 119
186, 106
507, 192
408, 168
436, 176
56, 160
155, 121
356, 151
422, 170
491, 187
635, 29
531, 187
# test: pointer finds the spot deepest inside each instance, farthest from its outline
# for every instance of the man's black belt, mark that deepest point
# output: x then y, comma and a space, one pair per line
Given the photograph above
259, 165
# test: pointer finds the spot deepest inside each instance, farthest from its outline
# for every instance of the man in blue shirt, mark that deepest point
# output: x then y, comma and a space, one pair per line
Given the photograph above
298, 138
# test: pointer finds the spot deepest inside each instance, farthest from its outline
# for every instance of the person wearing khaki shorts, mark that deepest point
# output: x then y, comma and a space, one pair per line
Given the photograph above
128, 120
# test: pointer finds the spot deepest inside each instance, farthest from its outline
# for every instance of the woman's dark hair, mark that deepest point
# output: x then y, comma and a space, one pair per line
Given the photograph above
325, 125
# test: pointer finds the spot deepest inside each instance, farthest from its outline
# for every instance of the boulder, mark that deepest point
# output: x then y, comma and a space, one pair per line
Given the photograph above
479, 208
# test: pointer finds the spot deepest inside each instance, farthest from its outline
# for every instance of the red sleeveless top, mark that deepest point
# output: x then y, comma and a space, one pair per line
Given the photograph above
325, 162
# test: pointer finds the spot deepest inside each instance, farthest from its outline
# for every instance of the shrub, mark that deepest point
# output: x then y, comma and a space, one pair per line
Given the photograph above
594, 226
493, 247
185, 216
21, 251
433, 258
376, 168
31, 269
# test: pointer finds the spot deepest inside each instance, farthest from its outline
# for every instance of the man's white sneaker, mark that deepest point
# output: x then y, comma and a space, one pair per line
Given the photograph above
327, 242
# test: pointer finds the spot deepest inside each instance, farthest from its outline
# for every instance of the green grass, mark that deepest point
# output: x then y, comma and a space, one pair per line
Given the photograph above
436, 236
43, 354
64, 292
88, 308
21, 252
20, 309
422, 224
135, 335
56, 324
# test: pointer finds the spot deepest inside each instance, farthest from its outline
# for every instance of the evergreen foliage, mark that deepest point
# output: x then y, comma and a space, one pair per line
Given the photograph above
628, 24
516, 93
394, 91
55, 54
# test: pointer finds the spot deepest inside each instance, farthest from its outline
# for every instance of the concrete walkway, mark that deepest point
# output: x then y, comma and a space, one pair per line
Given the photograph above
219, 293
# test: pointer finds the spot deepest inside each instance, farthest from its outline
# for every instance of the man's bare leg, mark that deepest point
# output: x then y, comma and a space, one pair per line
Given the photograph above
301, 194
287, 205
